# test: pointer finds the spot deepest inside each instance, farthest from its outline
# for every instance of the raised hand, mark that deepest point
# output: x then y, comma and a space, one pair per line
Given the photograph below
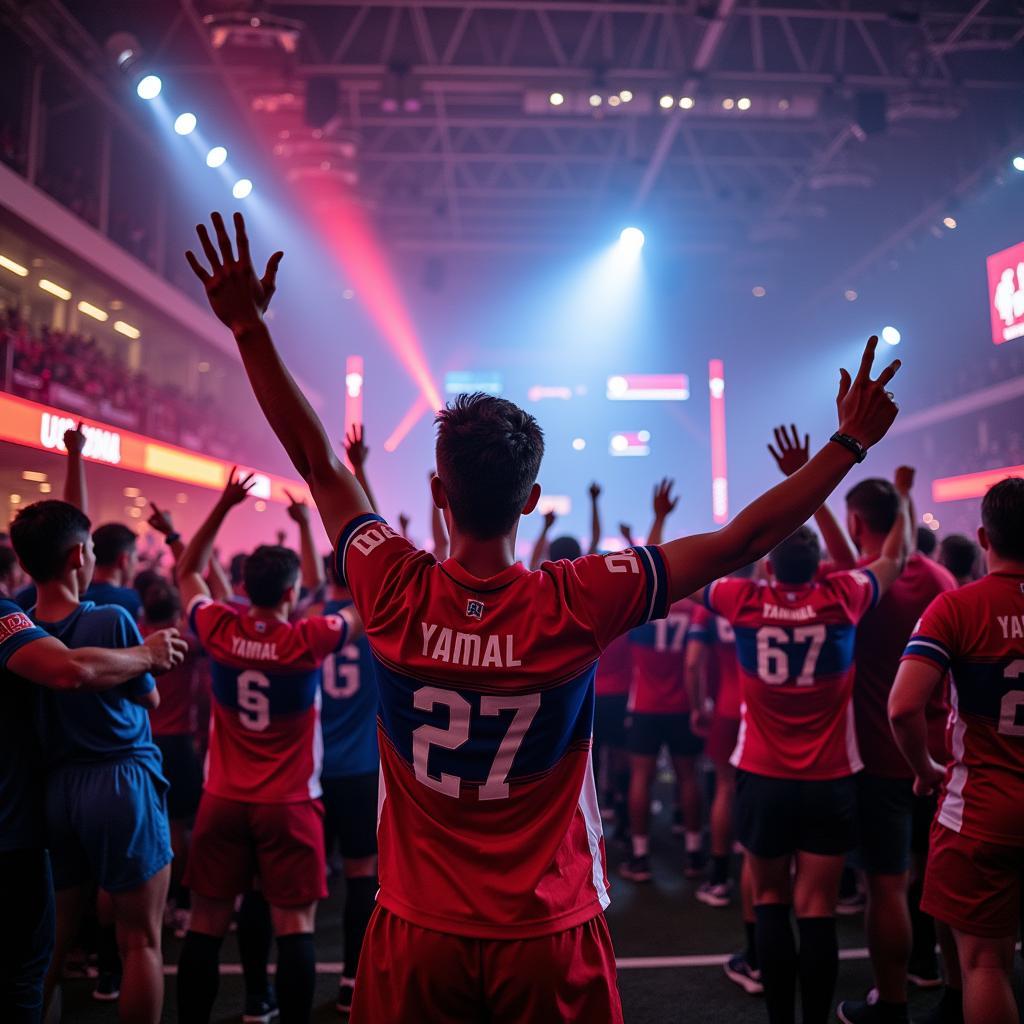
904, 480
74, 440
355, 446
595, 491
626, 531
236, 295
237, 489
549, 519
791, 454
160, 520
297, 510
866, 408
664, 503
167, 648
403, 524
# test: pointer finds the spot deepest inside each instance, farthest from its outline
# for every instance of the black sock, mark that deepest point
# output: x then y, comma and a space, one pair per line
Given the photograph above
198, 977
750, 954
719, 870
360, 898
776, 954
819, 967
296, 977
108, 957
255, 934
922, 951
181, 896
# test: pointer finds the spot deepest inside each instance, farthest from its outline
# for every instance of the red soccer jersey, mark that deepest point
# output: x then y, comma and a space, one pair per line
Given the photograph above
718, 634
615, 669
265, 743
659, 663
881, 637
795, 649
489, 824
978, 633
178, 689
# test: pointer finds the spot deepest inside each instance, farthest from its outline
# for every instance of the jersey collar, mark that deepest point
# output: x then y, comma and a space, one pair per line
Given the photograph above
454, 571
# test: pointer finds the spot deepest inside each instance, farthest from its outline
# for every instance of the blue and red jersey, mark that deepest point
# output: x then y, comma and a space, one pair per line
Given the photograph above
658, 649
718, 635
486, 713
265, 742
615, 669
977, 633
795, 648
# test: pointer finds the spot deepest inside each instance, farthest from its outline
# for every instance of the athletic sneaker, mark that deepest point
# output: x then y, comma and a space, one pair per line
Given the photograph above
636, 869
108, 987
715, 895
346, 990
924, 972
851, 905
862, 1011
748, 978
261, 1009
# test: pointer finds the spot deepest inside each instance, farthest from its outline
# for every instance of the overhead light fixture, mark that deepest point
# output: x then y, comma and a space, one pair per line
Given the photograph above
1018, 163
850, 295
216, 156
127, 330
185, 124
728, 103
556, 99
241, 188
759, 291
743, 103
94, 311
614, 101
596, 99
891, 336
149, 87
686, 103
667, 102
626, 95
632, 239
14, 268
33, 476
54, 289
950, 222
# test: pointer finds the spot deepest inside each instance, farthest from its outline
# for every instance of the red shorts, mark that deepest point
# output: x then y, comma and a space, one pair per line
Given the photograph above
972, 885
722, 738
283, 844
410, 975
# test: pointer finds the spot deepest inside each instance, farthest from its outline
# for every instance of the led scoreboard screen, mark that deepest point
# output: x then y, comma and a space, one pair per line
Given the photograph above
1006, 293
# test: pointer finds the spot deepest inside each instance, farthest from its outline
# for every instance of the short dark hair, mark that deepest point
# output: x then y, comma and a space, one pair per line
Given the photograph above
959, 554
927, 542
797, 558
44, 533
161, 601
1002, 515
876, 501
144, 578
564, 547
488, 457
269, 571
237, 569
111, 541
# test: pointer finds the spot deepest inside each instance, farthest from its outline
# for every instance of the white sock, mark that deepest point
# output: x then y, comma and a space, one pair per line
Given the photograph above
640, 846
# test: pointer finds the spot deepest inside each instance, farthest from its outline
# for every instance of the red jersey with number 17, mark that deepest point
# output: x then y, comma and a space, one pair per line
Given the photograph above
489, 824
265, 742
977, 632
795, 647
659, 663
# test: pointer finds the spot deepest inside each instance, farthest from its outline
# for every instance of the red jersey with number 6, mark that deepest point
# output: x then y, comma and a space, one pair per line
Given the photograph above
489, 824
659, 663
265, 742
977, 632
795, 648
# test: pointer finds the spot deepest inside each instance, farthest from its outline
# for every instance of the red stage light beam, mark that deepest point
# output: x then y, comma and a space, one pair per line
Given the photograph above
719, 470
351, 239
407, 422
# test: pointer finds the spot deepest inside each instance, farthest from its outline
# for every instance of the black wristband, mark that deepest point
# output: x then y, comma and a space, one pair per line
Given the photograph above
172, 538
851, 444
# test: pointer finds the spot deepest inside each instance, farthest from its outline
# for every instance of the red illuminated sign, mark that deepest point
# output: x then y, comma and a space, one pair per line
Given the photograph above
971, 485
41, 427
1006, 293
719, 469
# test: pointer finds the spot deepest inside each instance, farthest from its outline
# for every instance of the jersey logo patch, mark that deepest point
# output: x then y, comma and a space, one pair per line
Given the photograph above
475, 609
10, 625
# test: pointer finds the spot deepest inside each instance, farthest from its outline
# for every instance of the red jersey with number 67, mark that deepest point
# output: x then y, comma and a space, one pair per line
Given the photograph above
265, 742
659, 663
489, 824
977, 632
795, 648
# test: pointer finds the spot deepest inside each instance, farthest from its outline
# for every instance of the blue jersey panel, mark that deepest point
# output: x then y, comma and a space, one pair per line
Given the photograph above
819, 649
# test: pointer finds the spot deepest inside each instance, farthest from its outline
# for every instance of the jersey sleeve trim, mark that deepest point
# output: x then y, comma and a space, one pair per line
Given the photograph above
16, 631
875, 589
197, 602
656, 576
345, 538
926, 648
707, 597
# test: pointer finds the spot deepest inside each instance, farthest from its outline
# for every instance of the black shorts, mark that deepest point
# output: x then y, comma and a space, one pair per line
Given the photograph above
610, 721
923, 815
647, 734
26, 940
184, 773
350, 815
885, 814
778, 817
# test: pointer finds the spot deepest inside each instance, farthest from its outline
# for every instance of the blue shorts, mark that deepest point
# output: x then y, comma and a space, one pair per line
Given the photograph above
107, 823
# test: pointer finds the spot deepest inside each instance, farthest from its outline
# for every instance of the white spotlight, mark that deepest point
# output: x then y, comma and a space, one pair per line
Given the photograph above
743, 103
891, 336
185, 124
596, 99
216, 156
632, 239
149, 87
556, 99
667, 102
1018, 163
626, 95
578, 444
241, 188
950, 222
686, 103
